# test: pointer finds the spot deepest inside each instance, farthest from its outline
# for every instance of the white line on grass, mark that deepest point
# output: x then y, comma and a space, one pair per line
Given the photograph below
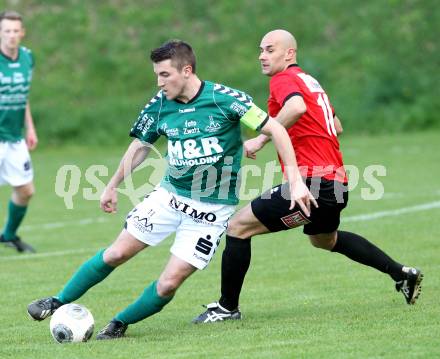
54, 225
49, 254
356, 218
391, 213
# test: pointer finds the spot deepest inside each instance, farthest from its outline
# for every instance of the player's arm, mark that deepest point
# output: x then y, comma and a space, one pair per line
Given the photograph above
31, 133
136, 153
299, 193
292, 110
257, 119
338, 125
145, 133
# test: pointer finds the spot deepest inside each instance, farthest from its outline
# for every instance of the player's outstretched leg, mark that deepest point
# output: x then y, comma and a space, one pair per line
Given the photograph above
149, 303
90, 273
407, 279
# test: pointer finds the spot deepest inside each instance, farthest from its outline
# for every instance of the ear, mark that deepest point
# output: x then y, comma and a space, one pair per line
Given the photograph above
290, 53
22, 32
187, 71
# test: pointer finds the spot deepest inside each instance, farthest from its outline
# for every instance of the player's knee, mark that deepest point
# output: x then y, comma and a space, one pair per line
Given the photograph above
29, 194
236, 228
232, 226
23, 194
326, 243
115, 257
167, 286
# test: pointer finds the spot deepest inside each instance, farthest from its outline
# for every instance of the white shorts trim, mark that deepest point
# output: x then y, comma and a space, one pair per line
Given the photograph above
198, 225
15, 164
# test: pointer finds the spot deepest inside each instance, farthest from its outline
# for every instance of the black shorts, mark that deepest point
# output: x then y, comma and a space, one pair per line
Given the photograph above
272, 207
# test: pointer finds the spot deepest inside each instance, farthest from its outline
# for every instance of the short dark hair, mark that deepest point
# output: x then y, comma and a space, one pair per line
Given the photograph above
10, 15
179, 52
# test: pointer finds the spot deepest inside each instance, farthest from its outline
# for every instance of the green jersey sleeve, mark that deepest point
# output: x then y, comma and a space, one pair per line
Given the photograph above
238, 106
146, 126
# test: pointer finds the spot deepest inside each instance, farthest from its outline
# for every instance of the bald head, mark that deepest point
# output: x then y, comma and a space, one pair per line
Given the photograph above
282, 37
277, 51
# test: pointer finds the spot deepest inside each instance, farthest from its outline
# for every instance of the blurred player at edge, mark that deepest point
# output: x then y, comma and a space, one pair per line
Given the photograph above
16, 65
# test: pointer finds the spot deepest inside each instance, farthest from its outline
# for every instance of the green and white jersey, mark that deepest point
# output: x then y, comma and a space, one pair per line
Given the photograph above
204, 140
15, 81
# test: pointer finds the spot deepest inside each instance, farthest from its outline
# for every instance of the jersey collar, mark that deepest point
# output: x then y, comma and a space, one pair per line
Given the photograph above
196, 95
293, 65
10, 58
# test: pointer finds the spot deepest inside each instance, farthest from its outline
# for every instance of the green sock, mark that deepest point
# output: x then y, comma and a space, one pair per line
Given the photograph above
15, 216
147, 304
90, 273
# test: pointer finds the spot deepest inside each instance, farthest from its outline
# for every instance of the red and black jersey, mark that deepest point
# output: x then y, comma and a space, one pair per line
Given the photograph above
313, 135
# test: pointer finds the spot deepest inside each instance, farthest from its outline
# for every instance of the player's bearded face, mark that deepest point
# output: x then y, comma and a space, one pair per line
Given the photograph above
170, 80
11, 33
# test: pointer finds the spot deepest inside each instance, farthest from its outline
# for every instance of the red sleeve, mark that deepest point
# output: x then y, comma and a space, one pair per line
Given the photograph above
283, 87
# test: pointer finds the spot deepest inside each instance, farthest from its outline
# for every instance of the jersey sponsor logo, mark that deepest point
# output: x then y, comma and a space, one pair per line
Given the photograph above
196, 215
312, 84
213, 126
239, 108
186, 110
191, 131
13, 99
190, 128
189, 149
18, 78
5, 79
145, 123
141, 222
204, 245
172, 132
14, 65
200, 258
295, 219
190, 123
196, 162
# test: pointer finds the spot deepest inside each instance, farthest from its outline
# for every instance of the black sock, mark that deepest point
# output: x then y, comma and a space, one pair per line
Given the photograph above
235, 263
362, 251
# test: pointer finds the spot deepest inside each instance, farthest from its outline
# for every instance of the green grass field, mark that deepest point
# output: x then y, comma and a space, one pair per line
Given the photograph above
298, 302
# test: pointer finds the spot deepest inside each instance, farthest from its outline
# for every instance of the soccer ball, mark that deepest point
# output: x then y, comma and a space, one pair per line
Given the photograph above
72, 323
